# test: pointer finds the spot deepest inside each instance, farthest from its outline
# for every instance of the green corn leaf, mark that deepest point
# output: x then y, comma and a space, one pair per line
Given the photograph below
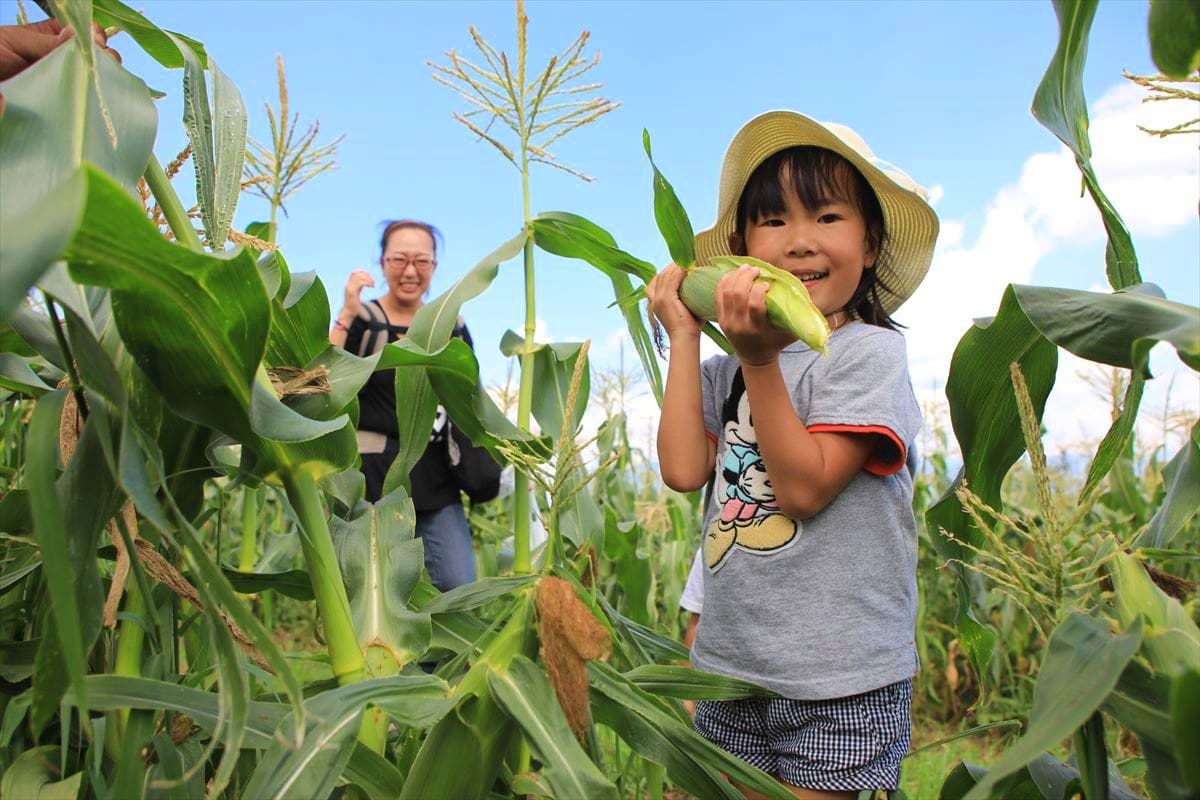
1044, 778
51, 533
1092, 756
433, 324
687, 683
477, 729
34, 773
641, 645
634, 569
313, 768
233, 689
983, 410
293, 583
1181, 476
672, 219
646, 724
1082, 664
454, 374
1172, 639
229, 151
1117, 329
380, 562
1114, 447
197, 326
1060, 106
130, 774
218, 137
1185, 710
115, 692
299, 319
1175, 37
474, 595
525, 694
157, 44
414, 420
571, 236
170, 770
16, 375
42, 145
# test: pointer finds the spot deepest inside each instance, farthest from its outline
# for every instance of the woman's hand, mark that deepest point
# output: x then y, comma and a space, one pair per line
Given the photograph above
742, 315
663, 294
352, 303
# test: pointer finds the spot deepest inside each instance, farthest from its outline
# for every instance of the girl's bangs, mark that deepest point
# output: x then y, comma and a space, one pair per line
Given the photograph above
817, 177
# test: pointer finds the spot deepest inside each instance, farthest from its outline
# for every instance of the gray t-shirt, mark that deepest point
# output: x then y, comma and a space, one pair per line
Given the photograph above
824, 607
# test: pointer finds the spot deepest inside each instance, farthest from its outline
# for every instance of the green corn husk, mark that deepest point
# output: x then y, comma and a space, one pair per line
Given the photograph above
462, 754
789, 306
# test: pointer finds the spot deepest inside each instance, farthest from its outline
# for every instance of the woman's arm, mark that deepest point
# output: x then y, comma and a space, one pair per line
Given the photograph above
350, 306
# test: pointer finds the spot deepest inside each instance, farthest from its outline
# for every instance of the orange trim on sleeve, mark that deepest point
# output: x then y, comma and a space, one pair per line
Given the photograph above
874, 464
712, 437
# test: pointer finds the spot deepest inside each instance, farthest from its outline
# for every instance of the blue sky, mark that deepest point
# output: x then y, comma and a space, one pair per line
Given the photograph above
941, 89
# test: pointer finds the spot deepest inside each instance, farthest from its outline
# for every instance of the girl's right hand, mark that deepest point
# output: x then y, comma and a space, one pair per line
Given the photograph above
352, 303
663, 294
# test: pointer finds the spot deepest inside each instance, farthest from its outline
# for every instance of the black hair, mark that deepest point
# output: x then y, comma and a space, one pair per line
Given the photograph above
817, 176
391, 226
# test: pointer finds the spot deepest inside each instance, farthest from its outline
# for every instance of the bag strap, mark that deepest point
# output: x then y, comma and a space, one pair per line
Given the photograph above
375, 325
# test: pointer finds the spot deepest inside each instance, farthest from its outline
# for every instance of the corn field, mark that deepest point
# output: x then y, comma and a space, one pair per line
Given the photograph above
196, 600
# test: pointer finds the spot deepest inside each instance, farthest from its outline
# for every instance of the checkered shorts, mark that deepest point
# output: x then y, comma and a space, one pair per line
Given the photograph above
836, 745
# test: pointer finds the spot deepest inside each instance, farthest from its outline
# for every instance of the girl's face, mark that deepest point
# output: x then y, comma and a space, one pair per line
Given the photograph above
825, 247
408, 263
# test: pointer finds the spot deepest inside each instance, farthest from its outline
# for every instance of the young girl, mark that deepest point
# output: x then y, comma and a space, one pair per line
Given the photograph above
809, 542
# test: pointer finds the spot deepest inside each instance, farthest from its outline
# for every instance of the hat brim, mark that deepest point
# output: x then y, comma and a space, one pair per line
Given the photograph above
912, 225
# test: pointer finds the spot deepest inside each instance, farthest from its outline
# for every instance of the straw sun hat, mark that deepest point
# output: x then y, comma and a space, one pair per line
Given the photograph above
912, 226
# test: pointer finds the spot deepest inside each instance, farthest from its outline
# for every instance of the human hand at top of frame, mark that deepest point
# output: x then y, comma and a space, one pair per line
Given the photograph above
663, 294
742, 315
22, 45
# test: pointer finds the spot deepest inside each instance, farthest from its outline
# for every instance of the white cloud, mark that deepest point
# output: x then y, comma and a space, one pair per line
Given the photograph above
1153, 182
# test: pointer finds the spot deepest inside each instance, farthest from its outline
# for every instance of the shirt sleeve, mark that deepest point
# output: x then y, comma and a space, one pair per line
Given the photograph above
692, 598
866, 390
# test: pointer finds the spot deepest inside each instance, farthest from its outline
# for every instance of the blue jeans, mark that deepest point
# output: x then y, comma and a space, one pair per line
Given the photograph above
447, 538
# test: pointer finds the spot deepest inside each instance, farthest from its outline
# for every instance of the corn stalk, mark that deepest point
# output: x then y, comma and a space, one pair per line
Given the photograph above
537, 112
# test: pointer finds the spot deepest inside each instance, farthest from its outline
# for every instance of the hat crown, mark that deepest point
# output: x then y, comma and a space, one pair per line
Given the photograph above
898, 176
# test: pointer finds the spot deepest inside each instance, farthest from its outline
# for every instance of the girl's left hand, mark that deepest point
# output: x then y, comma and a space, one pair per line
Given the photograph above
742, 315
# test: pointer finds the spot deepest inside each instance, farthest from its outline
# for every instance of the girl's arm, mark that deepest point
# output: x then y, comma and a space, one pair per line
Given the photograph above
685, 453
807, 470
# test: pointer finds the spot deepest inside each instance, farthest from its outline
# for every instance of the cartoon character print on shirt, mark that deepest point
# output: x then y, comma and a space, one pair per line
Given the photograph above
749, 517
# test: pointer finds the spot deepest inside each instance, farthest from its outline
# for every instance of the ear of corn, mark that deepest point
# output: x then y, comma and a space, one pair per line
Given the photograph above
789, 306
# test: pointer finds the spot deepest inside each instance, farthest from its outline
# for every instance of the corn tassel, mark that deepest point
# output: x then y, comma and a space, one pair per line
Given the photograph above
462, 754
789, 306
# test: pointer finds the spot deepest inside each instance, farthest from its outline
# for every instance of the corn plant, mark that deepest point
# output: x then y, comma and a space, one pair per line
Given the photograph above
1101, 650
284, 165
168, 376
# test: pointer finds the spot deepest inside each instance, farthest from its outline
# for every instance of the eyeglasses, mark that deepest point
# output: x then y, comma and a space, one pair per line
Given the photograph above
399, 262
